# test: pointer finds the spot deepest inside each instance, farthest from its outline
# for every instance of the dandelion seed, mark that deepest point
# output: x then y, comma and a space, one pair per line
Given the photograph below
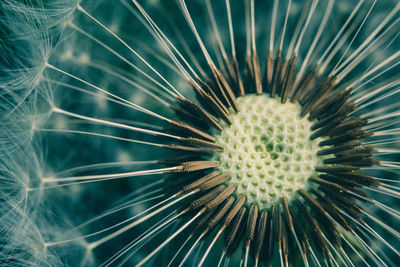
268, 133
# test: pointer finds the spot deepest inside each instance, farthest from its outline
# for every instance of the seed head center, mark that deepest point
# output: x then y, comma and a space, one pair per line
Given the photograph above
267, 150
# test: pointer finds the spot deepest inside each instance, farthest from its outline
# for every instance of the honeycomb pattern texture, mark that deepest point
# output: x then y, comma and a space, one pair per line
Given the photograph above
267, 150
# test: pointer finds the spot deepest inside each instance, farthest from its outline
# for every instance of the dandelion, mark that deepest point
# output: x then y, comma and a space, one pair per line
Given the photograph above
217, 132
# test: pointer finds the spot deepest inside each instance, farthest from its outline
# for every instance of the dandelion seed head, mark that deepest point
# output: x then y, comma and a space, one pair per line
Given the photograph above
205, 131
267, 150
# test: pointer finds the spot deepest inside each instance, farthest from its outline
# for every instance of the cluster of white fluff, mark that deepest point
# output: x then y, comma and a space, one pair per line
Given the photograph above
30, 216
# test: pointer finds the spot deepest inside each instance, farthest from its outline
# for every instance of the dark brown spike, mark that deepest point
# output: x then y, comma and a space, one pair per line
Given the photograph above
322, 182
214, 182
276, 75
238, 77
347, 159
336, 169
304, 85
360, 195
340, 181
339, 116
349, 124
343, 201
329, 104
366, 162
220, 214
269, 68
194, 108
288, 80
231, 70
192, 166
313, 227
248, 80
225, 74
257, 74
360, 160
322, 215
214, 102
271, 237
185, 115
207, 150
360, 178
260, 236
234, 85
192, 130
350, 190
234, 210
340, 139
201, 225
221, 90
232, 236
350, 208
220, 197
275, 221
197, 203
178, 181
286, 213
282, 76
314, 91
283, 240
212, 98
177, 160
200, 142
325, 86
311, 201
333, 211
323, 104
288, 223
342, 102
249, 73
197, 182
298, 227
251, 225
225, 89
325, 130
357, 150
228, 88
336, 149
